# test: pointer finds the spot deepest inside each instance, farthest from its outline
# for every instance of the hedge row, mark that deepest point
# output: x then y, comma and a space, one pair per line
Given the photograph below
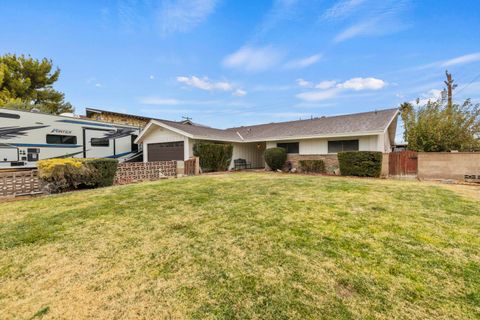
67, 174
213, 156
313, 166
360, 163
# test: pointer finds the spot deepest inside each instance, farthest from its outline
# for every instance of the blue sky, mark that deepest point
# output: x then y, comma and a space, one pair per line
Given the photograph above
228, 63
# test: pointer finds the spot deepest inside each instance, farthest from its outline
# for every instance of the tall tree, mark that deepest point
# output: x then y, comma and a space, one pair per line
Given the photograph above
442, 125
27, 83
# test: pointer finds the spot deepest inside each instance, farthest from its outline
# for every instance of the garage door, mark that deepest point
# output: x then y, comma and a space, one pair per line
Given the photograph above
165, 151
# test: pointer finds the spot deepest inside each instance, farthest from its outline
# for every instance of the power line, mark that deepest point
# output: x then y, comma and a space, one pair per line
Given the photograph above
468, 84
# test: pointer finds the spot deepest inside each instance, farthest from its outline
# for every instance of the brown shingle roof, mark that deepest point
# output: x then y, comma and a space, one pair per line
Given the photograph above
374, 121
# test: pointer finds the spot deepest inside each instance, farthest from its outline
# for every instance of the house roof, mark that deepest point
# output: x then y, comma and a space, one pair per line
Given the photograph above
351, 124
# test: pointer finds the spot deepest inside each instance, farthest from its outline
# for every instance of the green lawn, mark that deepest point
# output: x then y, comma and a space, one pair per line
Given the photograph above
248, 245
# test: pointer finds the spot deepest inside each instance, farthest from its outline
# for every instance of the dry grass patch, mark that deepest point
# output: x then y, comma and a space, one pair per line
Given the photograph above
259, 246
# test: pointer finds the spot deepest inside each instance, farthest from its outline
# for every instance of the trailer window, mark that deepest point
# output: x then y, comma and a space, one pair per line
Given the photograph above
100, 142
59, 139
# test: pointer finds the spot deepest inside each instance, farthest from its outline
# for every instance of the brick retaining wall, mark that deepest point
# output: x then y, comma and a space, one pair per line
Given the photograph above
145, 171
330, 160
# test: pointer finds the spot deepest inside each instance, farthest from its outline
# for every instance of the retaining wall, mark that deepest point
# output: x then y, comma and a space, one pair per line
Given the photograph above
464, 166
145, 171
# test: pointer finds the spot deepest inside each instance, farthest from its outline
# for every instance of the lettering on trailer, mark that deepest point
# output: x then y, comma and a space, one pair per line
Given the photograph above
61, 131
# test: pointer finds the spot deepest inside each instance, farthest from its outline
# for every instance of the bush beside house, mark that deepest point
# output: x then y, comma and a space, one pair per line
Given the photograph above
312, 166
275, 158
213, 156
59, 175
360, 163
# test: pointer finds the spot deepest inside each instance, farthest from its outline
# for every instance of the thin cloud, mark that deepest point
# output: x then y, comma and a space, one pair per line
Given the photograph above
304, 83
431, 96
468, 58
330, 89
304, 62
318, 95
464, 59
205, 84
208, 85
282, 10
184, 15
358, 84
240, 93
327, 84
342, 9
377, 18
253, 59
362, 28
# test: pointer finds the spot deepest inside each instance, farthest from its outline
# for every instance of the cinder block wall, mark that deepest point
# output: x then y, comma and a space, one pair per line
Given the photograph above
448, 165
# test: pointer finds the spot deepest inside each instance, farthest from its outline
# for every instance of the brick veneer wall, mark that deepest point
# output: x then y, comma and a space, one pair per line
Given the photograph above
330, 160
144, 171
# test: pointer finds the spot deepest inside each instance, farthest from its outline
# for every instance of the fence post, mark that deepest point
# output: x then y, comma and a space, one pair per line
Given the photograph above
180, 168
197, 166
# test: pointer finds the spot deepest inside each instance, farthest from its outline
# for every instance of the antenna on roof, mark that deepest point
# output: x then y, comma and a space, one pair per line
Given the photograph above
186, 118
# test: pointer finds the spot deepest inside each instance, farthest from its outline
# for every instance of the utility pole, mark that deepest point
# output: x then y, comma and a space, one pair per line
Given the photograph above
450, 88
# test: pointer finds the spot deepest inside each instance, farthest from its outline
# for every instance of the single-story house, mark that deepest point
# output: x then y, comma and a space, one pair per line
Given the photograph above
316, 138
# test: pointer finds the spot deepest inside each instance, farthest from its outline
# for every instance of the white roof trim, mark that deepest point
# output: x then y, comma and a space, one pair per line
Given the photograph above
239, 135
391, 120
159, 124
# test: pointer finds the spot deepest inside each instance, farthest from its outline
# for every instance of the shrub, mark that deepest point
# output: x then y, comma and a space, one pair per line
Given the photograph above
103, 171
66, 174
213, 156
317, 166
360, 163
275, 158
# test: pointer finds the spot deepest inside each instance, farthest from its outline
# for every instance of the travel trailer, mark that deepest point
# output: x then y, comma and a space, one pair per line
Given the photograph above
26, 137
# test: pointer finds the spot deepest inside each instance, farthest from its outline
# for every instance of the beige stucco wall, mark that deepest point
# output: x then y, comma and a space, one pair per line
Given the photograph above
446, 165
320, 145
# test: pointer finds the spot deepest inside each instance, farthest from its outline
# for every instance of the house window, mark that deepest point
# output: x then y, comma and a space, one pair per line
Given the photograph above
290, 147
100, 142
342, 145
59, 139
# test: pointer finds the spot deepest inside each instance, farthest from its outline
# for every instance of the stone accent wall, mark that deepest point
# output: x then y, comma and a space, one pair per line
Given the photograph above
145, 171
330, 160
119, 119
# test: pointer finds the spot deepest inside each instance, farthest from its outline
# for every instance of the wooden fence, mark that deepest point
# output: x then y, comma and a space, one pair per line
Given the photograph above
19, 183
403, 163
192, 167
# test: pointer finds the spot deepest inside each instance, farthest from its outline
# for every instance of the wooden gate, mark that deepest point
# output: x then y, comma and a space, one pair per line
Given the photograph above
403, 163
191, 167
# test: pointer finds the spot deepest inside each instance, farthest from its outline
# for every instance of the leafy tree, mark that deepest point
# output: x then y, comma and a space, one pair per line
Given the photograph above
27, 83
440, 126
